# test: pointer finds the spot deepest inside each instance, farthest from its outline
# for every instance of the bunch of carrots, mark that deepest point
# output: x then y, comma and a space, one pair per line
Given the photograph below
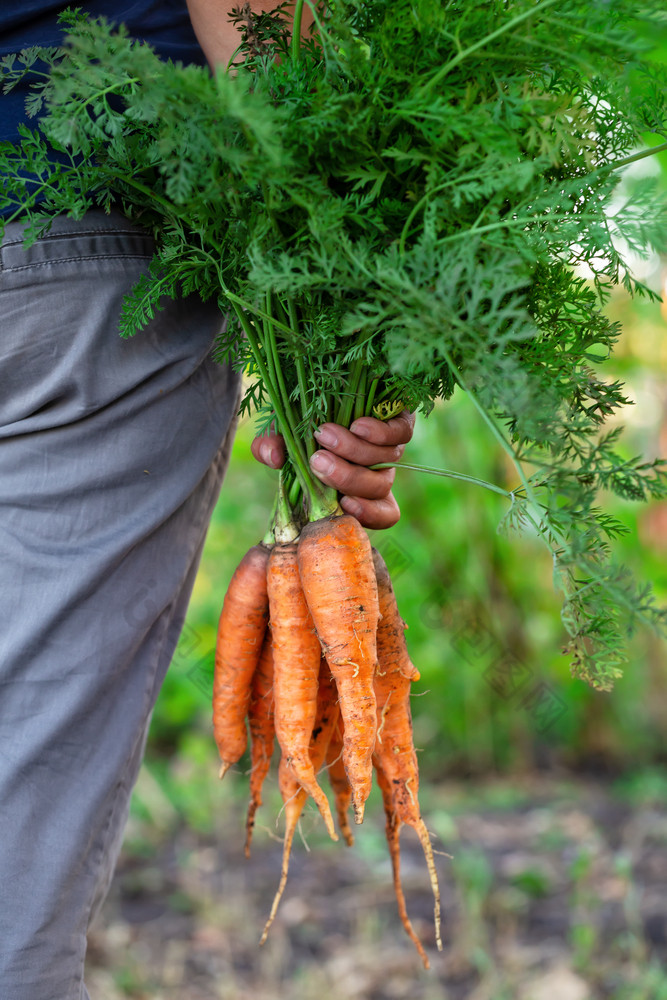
311, 652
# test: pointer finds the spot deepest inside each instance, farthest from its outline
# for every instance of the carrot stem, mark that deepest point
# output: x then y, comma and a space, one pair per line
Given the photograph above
312, 488
359, 406
370, 397
285, 523
447, 474
438, 77
641, 155
295, 47
348, 401
274, 365
300, 367
321, 500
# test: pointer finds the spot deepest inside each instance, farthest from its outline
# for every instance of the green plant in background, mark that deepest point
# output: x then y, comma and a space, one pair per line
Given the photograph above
584, 932
391, 211
474, 878
649, 984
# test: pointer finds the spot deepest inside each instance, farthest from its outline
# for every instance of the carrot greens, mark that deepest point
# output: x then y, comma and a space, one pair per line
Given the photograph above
416, 198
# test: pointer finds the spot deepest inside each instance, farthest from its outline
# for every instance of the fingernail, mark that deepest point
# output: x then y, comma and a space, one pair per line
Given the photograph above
321, 462
326, 436
361, 430
268, 453
352, 506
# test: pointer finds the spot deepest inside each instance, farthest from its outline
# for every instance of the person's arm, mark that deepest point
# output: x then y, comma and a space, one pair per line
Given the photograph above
217, 35
345, 456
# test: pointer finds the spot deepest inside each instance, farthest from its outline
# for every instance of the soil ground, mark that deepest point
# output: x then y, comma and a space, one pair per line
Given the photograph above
556, 889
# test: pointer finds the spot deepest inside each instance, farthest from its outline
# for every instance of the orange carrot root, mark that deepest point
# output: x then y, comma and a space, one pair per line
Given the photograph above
340, 784
392, 830
293, 794
338, 580
243, 621
293, 809
262, 729
391, 627
427, 848
395, 754
332, 684
296, 668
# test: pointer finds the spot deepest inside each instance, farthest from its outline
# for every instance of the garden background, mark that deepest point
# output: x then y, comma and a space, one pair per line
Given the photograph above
546, 800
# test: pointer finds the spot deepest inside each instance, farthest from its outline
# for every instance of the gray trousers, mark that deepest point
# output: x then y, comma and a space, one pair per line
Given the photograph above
112, 454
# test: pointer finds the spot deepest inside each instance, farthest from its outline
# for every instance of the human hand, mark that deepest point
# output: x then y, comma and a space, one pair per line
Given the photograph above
343, 459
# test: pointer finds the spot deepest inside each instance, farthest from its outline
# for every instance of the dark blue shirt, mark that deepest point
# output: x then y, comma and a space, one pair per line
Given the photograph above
164, 24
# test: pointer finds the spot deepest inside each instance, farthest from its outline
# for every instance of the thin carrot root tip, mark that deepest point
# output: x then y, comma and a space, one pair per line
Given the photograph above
310, 785
331, 831
224, 767
392, 832
427, 847
359, 812
322, 804
345, 830
287, 847
249, 827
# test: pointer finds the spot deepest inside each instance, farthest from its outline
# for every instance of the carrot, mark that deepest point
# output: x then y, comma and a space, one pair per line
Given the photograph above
339, 583
395, 754
243, 621
339, 783
296, 669
262, 730
293, 794
392, 830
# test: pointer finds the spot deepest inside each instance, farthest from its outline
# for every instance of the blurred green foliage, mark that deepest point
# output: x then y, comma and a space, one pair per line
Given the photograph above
495, 692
